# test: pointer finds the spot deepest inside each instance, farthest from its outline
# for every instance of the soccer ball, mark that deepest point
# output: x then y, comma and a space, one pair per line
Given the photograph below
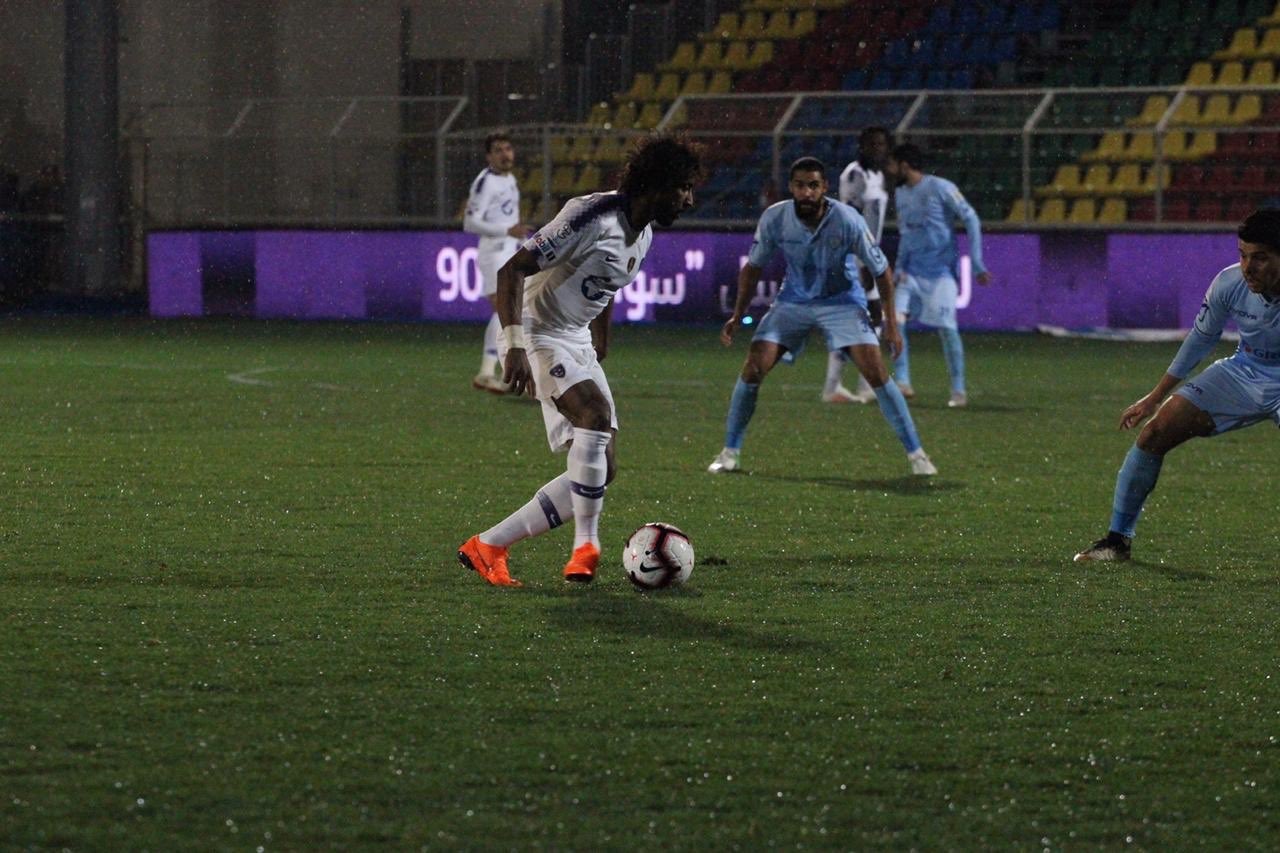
658, 555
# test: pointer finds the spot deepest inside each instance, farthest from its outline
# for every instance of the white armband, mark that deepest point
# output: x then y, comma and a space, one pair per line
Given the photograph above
514, 336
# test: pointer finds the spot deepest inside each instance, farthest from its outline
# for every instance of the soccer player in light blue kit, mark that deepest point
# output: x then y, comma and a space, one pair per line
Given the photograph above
927, 207
819, 237
1231, 393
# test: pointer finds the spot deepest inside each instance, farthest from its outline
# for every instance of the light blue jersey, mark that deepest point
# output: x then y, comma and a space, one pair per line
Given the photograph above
1258, 320
820, 261
926, 213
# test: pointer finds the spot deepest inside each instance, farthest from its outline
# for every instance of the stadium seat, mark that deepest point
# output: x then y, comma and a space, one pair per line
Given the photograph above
609, 150
1083, 212
1153, 176
737, 57
1269, 46
562, 180
1261, 73
1187, 112
1202, 144
1127, 180
806, 21
1022, 211
721, 83
1230, 74
778, 26
1154, 108
588, 180
559, 148
642, 86
1243, 44
668, 87
625, 117
761, 54
1096, 180
1112, 211
650, 116
1110, 147
583, 149
726, 27
1201, 74
1052, 212
532, 182
1141, 147
1217, 111
1066, 181
1247, 109
601, 114
685, 58
694, 84
753, 23
1273, 19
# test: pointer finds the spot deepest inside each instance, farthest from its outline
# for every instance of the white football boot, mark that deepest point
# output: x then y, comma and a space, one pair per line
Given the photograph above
725, 461
921, 465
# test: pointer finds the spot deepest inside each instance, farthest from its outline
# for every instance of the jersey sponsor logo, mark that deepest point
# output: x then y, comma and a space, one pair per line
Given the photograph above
558, 371
598, 288
565, 230
1193, 387
545, 245
1263, 354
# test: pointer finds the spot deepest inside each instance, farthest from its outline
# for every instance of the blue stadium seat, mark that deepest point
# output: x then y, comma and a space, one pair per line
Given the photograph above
912, 78
882, 81
854, 80
897, 54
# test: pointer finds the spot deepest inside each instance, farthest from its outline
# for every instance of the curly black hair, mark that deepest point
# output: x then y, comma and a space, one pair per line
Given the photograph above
661, 161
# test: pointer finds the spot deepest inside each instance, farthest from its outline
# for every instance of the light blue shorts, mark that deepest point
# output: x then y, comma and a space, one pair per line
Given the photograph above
931, 301
1235, 393
788, 325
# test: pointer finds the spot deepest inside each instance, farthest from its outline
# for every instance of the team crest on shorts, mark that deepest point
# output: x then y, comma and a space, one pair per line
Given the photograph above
558, 371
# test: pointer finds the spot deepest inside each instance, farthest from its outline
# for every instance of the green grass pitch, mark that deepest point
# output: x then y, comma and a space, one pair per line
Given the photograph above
233, 617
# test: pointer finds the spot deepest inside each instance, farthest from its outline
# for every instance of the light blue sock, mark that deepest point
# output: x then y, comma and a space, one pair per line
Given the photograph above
953, 352
894, 408
742, 405
901, 366
1135, 481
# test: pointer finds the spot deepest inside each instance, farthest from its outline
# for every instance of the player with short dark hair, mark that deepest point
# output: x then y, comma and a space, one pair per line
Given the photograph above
493, 213
1234, 392
927, 291
820, 237
555, 300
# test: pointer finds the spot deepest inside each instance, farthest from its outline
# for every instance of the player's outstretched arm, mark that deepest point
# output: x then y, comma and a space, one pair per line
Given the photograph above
509, 301
1147, 406
748, 279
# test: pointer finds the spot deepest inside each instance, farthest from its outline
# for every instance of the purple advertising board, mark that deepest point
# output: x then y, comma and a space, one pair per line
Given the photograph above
1069, 279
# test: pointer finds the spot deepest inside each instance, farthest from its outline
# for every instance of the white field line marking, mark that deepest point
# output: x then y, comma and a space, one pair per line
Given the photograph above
249, 377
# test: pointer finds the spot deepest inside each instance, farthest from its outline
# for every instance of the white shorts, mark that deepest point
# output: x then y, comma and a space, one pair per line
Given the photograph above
931, 301
491, 254
558, 365
1235, 393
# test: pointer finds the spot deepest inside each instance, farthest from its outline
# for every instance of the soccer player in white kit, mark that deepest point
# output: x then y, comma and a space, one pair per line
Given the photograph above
493, 213
862, 187
1231, 393
555, 300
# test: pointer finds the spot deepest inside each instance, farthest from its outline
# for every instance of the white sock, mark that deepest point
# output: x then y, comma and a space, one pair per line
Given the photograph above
546, 511
489, 361
588, 469
835, 370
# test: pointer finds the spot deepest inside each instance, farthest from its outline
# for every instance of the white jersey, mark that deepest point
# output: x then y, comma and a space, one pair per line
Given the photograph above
587, 254
492, 208
864, 189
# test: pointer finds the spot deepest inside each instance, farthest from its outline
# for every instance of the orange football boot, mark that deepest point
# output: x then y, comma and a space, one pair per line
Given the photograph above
582, 565
488, 561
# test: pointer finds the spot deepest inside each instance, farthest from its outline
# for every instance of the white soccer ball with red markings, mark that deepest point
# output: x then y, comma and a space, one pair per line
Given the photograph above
658, 555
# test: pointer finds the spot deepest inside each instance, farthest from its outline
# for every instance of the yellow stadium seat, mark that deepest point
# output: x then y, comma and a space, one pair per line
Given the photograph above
1174, 145
588, 180
1154, 176
1230, 74
1202, 144
726, 27
694, 84
1097, 180
601, 114
1053, 211
668, 87
721, 83
779, 26
1141, 147
1066, 181
1083, 212
711, 56
1273, 18
1113, 210
562, 180
1217, 110
737, 57
625, 117
752, 26
560, 146
761, 54
1021, 211
642, 86
684, 59
1127, 180
650, 116
583, 149
1261, 73
609, 150
1248, 108
1186, 112
533, 182
1201, 74
1110, 147
1152, 110
806, 21
1243, 43
1269, 47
